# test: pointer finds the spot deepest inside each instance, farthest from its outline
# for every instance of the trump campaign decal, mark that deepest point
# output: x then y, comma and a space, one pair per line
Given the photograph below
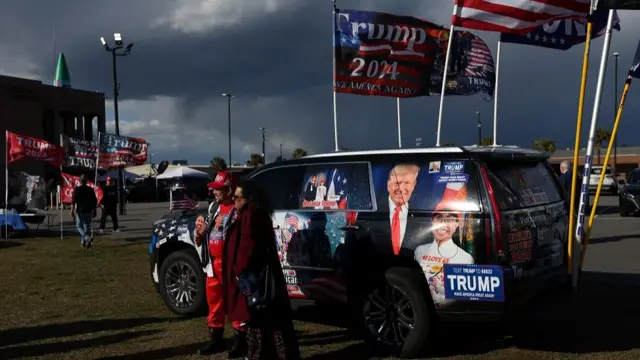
453, 172
474, 282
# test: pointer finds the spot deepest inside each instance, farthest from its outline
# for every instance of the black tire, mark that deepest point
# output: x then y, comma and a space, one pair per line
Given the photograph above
183, 269
405, 287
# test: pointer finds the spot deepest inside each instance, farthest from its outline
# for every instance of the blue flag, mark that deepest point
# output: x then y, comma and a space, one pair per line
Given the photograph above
635, 68
563, 34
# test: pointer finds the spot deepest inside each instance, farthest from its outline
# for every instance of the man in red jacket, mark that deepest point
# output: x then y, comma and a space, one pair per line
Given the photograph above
209, 240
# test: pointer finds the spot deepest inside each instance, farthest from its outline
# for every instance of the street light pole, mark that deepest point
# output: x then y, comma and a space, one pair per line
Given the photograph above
281, 153
118, 50
264, 154
615, 114
229, 96
479, 128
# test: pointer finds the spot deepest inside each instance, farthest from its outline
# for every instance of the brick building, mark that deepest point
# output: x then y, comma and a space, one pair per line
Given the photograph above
628, 158
31, 108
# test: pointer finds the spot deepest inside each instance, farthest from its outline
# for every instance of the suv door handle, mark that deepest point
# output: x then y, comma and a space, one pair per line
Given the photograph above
277, 227
349, 227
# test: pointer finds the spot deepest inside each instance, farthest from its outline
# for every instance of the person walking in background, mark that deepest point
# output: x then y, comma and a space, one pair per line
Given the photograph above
254, 288
209, 240
109, 205
83, 209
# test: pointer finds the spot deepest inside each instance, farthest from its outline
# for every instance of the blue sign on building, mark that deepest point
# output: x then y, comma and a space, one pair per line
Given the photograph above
473, 282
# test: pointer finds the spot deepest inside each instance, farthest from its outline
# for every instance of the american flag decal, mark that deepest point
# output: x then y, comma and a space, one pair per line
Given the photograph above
180, 201
326, 287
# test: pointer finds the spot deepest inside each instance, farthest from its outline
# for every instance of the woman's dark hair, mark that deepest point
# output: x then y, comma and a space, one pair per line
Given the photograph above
255, 194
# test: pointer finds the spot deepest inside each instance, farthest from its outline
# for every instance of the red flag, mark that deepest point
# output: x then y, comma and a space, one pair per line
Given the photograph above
70, 182
515, 16
21, 146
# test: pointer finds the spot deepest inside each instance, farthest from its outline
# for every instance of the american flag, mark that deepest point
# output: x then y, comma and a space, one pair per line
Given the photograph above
180, 201
515, 16
290, 227
480, 59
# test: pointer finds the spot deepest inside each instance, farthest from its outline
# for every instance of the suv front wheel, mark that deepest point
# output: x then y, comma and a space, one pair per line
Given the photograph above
397, 314
182, 284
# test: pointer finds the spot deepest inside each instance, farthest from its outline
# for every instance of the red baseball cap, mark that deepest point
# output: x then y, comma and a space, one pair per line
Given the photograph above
223, 179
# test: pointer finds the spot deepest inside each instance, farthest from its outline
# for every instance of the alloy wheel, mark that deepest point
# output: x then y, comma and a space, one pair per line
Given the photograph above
388, 315
180, 283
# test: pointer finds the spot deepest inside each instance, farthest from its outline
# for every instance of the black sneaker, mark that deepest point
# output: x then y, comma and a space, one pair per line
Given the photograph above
83, 244
89, 242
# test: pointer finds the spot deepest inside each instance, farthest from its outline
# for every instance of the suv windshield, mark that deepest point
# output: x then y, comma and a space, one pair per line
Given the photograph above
519, 185
598, 171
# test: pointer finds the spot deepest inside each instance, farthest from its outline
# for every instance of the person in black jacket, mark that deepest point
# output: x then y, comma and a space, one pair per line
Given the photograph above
565, 178
83, 209
109, 205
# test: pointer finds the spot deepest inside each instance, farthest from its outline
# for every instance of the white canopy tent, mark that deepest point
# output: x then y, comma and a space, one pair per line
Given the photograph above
182, 172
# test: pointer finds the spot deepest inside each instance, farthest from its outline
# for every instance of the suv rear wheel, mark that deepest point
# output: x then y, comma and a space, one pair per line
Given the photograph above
397, 314
182, 284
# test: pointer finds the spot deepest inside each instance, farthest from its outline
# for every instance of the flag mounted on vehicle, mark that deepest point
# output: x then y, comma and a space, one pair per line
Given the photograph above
384, 54
515, 16
563, 34
617, 4
471, 68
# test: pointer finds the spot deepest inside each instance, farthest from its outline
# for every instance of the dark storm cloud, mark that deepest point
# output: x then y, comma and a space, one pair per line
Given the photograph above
284, 60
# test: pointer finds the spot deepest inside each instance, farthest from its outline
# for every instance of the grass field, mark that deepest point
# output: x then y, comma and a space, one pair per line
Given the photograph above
61, 301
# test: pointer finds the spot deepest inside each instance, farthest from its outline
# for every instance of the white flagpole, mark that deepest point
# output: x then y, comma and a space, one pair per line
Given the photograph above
444, 77
584, 191
335, 100
6, 184
495, 96
399, 129
60, 195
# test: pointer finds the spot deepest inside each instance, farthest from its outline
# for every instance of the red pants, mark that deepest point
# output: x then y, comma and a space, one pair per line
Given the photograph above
214, 299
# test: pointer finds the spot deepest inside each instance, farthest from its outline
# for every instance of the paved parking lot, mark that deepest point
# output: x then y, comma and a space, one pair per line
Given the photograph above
615, 241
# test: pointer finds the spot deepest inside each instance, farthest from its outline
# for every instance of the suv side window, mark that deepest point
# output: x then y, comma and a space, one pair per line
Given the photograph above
425, 184
522, 185
634, 178
335, 187
281, 184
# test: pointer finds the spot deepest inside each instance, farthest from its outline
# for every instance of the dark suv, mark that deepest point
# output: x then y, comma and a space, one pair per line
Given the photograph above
404, 237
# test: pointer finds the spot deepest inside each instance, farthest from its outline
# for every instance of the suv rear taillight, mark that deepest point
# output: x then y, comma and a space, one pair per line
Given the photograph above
496, 235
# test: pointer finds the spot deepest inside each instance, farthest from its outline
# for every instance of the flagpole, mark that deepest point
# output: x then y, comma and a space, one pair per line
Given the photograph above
495, 96
399, 129
584, 191
6, 185
444, 77
335, 100
95, 179
610, 146
576, 148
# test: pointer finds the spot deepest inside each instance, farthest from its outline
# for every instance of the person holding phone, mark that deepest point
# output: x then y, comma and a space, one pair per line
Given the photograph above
209, 240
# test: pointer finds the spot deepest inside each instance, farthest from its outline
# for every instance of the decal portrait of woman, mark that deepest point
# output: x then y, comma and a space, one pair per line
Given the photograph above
443, 250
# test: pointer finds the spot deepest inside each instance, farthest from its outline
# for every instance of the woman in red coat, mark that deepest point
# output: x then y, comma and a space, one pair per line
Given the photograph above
249, 249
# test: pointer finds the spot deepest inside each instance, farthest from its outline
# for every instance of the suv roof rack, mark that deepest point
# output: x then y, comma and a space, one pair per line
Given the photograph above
441, 149
508, 151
